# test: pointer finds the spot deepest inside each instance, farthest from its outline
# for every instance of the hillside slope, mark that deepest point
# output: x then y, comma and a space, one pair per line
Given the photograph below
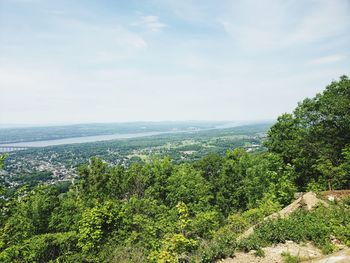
292, 251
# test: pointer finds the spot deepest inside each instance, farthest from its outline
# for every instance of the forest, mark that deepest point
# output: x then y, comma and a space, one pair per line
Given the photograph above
193, 211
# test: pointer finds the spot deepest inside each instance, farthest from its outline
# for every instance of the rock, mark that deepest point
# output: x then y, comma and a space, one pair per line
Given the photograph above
331, 198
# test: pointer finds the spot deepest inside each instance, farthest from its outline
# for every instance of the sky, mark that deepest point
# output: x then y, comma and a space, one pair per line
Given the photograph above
151, 60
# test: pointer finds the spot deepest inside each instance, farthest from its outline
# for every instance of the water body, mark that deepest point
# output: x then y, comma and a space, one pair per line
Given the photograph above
97, 138
84, 139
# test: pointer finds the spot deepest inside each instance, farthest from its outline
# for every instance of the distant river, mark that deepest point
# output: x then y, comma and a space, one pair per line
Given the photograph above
98, 138
84, 139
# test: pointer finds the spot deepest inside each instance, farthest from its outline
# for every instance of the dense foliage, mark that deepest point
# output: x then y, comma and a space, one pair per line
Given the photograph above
167, 212
164, 211
315, 138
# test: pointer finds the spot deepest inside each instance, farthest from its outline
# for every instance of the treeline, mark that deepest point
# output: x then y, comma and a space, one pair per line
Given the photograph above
161, 211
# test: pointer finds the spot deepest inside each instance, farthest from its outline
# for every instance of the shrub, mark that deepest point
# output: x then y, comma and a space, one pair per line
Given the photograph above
317, 226
222, 245
260, 253
288, 258
174, 248
266, 207
252, 242
205, 223
237, 223
126, 254
42, 248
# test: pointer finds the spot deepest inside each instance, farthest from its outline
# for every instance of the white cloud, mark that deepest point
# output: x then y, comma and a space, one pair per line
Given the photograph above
327, 19
125, 38
150, 23
327, 59
92, 43
275, 24
86, 65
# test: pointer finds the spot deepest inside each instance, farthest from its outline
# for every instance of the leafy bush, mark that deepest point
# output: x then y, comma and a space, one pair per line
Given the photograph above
175, 248
253, 242
124, 254
96, 224
317, 226
223, 244
205, 223
266, 207
260, 253
237, 223
288, 258
42, 248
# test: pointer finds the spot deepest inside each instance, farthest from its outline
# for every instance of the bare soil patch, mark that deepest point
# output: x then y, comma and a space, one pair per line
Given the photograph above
273, 254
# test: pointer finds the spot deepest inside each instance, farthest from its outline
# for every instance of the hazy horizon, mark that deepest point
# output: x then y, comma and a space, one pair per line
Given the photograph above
31, 125
126, 61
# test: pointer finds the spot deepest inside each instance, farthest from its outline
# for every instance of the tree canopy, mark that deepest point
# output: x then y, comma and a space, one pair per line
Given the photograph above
315, 138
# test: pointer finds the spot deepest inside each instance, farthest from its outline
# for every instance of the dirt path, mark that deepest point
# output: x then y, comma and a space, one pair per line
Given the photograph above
273, 254
342, 256
307, 253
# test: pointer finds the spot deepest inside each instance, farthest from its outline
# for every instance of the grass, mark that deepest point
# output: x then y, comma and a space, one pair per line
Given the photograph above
288, 258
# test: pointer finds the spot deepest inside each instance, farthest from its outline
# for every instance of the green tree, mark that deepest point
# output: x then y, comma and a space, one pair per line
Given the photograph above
176, 246
2, 159
187, 185
96, 225
67, 213
158, 172
231, 194
317, 131
98, 181
267, 174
